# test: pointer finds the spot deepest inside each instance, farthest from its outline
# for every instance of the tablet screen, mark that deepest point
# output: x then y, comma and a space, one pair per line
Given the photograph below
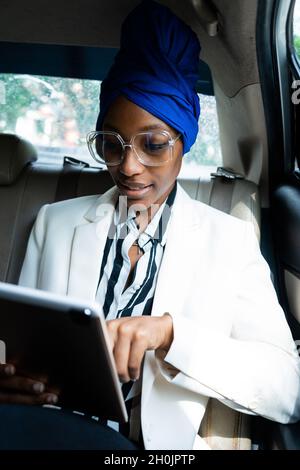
65, 339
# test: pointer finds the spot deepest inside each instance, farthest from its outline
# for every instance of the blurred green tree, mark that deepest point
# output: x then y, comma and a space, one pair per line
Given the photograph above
297, 45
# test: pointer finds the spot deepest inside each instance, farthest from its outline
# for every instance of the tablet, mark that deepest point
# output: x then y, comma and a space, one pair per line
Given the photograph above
67, 340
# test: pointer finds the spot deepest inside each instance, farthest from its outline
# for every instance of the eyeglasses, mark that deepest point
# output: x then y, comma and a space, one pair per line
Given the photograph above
153, 148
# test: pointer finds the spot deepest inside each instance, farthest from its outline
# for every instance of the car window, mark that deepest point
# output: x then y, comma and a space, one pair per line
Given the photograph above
55, 114
297, 28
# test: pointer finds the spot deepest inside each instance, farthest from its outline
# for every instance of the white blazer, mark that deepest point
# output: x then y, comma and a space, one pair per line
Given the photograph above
231, 340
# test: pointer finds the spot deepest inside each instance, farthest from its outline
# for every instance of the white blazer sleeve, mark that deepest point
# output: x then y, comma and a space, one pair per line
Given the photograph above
255, 369
29, 276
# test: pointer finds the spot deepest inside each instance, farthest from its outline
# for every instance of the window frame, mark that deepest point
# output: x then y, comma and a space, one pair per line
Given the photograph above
294, 64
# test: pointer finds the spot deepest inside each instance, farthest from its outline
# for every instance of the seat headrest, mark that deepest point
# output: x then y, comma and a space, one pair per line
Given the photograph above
15, 154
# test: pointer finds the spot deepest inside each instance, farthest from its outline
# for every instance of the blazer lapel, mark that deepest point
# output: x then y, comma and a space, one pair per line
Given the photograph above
176, 271
173, 277
88, 246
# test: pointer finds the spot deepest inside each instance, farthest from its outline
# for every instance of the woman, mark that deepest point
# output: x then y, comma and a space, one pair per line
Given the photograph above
188, 319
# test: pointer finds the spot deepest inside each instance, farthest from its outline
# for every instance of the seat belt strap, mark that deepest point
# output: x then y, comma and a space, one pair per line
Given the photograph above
68, 180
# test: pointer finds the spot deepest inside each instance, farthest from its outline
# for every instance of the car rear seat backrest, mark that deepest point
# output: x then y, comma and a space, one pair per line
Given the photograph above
26, 185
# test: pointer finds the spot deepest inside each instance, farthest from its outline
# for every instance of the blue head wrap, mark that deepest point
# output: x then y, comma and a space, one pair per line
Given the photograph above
157, 68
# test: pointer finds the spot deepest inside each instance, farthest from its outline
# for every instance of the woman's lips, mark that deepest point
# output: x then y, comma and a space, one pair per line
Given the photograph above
134, 192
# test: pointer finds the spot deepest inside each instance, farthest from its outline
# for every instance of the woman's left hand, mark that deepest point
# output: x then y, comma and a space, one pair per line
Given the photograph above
131, 337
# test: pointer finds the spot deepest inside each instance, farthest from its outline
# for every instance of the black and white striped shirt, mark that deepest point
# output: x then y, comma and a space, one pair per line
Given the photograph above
137, 299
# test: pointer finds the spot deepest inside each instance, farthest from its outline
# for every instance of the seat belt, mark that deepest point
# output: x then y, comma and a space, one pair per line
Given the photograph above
67, 183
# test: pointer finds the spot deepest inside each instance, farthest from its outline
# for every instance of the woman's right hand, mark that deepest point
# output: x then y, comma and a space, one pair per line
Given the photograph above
16, 389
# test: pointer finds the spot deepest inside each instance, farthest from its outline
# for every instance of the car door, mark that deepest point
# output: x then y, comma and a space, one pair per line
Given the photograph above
280, 73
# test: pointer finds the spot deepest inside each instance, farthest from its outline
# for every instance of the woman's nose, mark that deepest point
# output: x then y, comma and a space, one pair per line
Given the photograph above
130, 164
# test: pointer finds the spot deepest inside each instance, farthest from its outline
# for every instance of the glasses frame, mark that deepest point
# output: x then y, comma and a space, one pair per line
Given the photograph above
92, 135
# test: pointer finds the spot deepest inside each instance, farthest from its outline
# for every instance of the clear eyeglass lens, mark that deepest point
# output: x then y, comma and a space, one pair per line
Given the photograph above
108, 147
152, 148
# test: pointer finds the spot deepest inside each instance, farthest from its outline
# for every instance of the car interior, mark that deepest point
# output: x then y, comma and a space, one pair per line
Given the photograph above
248, 64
